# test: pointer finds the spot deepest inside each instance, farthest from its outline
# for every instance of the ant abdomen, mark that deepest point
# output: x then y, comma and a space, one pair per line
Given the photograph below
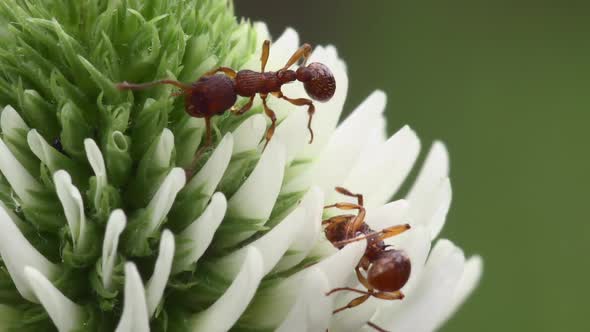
391, 271
210, 95
318, 81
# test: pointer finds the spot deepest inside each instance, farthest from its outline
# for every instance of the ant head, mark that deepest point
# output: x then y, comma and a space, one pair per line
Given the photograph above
318, 81
390, 271
286, 76
210, 95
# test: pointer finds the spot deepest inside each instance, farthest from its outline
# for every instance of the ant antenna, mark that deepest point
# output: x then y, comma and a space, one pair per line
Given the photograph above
383, 234
376, 327
132, 86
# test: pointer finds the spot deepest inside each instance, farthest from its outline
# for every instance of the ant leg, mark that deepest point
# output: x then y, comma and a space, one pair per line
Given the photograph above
393, 231
264, 55
132, 86
356, 223
346, 192
345, 206
310, 110
382, 234
354, 290
362, 279
353, 303
397, 295
376, 327
303, 52
244, 108
338, 219
273, 118
208, 141
227, 71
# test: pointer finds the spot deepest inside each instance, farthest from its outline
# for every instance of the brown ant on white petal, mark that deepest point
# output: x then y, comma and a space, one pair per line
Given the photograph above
382, 270
214, 94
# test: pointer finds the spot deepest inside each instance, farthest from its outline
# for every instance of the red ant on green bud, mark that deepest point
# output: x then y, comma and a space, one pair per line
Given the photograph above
214, 94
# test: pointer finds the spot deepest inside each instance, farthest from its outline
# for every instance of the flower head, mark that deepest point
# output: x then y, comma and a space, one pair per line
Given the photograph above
101, 229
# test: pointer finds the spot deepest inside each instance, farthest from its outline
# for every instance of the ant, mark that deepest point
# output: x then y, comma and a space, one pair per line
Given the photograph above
387, 270
214, 94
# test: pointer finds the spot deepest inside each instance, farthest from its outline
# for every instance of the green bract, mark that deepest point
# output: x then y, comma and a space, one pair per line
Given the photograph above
87, 149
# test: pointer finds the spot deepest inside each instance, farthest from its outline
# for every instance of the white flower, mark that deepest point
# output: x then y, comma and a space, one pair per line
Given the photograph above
356, 155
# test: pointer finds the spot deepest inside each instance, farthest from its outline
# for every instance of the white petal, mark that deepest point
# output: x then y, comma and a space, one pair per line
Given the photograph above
65, 314
393, 213
313, 203
15, 219
469, 280
271, 245
73, 205
223, 314
327, 114
162, 201
20, 180
41, 149
115, 226
416, 243
422, 310
363, 117
248, 134
258, 194
344, 147
262, 32
156, 285
10, 121
352, 319
135, 316
379, 173
196, 238
425, 197
96, 161
293, 133
210, 174
194, 129
443, 196
313, 309
163, 151
17, 253
339, 268
377, 135
280, 51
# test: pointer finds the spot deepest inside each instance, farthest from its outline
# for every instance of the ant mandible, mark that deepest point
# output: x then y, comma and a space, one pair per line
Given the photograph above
214, 94
387, 270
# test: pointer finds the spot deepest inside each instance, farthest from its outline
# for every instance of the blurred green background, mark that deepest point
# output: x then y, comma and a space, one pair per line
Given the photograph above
505, 84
